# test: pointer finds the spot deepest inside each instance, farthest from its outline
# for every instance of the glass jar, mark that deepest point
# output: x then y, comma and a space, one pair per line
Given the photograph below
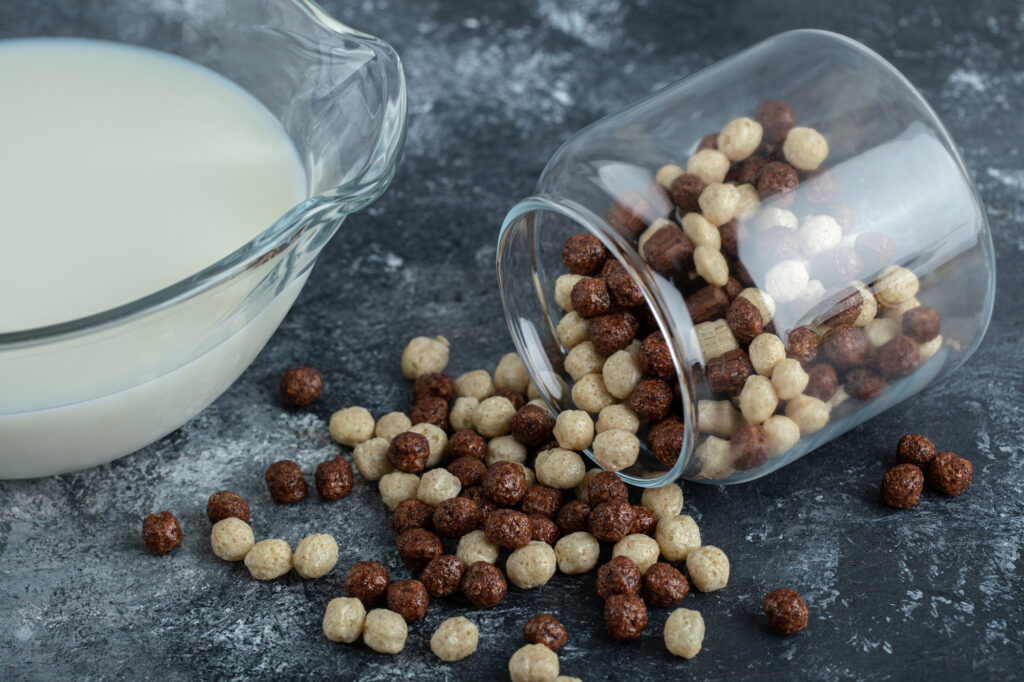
825, 257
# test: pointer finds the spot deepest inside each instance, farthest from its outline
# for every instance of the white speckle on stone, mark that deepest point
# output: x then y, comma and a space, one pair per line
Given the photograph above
962, 78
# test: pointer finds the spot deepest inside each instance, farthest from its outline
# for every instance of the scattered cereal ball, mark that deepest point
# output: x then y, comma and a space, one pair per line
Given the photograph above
483, 585
285, 482
409, 452
398, 486
902, 486
460, 417
949, 473
805, 148
433, 384
560, 468
896, 285
476, 546
914, 448
785, 610
818, 234
411, 514
740, 138
533, 663
493, 417
367, 581
533, 425
785, 280
664, 585
782, 433
423, 355
343, 619
718, 203
161, 532
710, 165
611, 521
708, 568
508, 528
392, 424
545, 629
436, 486
224, 504
749, 201
642, 549
443, 575
315, 555
301, 386
531, 566
810, 414
455, 639
475, 384
684, 633
625, 616
409, 599
231, 539
505, 449
269, 559
789, 379
469, 470
665, 502
437, 441
574, 430
621, 373
758, 399
677, 536
511, 373
385, 631
577, 553
605, 486
456, 516
617, 417
505, 483
416, 548
616, 450
334, 479
371, 459
351, 426
574, 517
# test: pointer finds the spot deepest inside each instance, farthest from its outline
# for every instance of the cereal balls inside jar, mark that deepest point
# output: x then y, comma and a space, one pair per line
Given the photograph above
231, 539
531, 566
805, 148
385, 631
455, 639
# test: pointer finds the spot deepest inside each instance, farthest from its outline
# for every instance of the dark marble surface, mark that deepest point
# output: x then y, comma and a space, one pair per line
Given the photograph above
493, 91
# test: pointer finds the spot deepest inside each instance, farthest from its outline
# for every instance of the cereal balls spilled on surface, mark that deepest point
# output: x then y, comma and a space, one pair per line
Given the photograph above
785, 610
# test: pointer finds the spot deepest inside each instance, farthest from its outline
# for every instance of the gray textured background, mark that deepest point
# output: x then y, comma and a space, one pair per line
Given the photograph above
492, 94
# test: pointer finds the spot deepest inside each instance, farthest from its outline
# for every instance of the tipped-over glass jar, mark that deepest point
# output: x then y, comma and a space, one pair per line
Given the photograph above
748, 263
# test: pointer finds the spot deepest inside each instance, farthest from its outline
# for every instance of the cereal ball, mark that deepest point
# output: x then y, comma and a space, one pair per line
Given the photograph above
533, 663
396, 487
708, 568
367, 581
226, 504
543, 500
677, 536
437, 441
740, 138
902, 486
616, 450
476, 384
895, 285
301, 386
805, 148
916, 449
711, 265
371, 459
409, 599
810, 414
334, 479
543, 529
822, 381
611, 521
455, 639
577, 553
664, 585
621, 373
231, 539
744, 320
785, 280
436, 486
605, 486
483, 585
589, 394
667, 174
777, 180
665, 502
655, 358
469, 470
758, 399
508, 528
625, 616
572, 330
644, 520
684, 633
574, 430
343, 619
493, 417
717, 417
454, 517
641, 549
846, 346
431, 409
922, 323
411, 514
545, 629
385, 631
392, 424
789, 379
949, 473
416, 547
476, 546
466, 443
574, 517
442, 576
718, 203
533, 426
803, 344
625, 290
749, 201
864, 384
651, 399
766, 351
819, 234
927, 350
285, 482
583, 254
531, 566
898, 358
563, 290
590, 297
777, 119
582, 360
749, 447
433, 384
352, 426
409, 452
782, 433
269, 559
505, 483
315, 555
785, 610
709, 165
685, 189
621, 575
560, 468
617, 417
511, 373
424, 355
161, 532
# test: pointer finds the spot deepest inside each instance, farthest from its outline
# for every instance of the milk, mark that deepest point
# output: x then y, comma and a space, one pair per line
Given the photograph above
122, 171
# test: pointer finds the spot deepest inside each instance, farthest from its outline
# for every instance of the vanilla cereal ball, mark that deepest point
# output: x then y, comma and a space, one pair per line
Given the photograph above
868, 306
577, 552
352, 426
511, 373
766, 352
812, 293
677, 536
837, 398
665, 502
818, 234
749, 201
762, 301
810, 414
398, 486
789, 379
582, 360
493, 417
531, 478
897, 310
455, 639
718, 417
461, 414
505, 449
805, 148
343, 619
572, 330
642, 549
531, 566
371, 459
424, 355
621, 373
315, 555
436, 438
436, 486
710, 165
269, 559
616, 450
772, 216
563, 289
701, 231
758, 399
783, 433
559, 468
740, 138
617, 417
475, 384
785, 280
718, 203
231, 539
476, 546
385, 631
392, 424
684, 633
929, 348
711, 265
667, 174
708, 568
533, 663
715, 457
896, 285
582, 493
590, 394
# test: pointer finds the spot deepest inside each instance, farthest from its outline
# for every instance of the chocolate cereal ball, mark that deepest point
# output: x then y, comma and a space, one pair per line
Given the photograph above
484, 504
443, 575
505, 483
456, 516
367, 581
922, 323
898, 358
949, 473
583, 254
644, 520
409, 452
902, 485
685, 190
619, 576
411, 514
785, 610
651, 399
543, 529
864, 384
483, 585
802, 345
613, 331
532, 426
301, 386
606, 486
416, 547
161, 532
334, 479
777, 179
545, 629
611, 521
285, 482
409, 599
574, 517
625, 616
749, 447
433, 384
469, 470
466, 443
624, 289
540, 499
822, 381
590, 297
655, 359
664, 585
776, 119
914, 448
666, 440
226, 504
508, 528
430, 409
846, 346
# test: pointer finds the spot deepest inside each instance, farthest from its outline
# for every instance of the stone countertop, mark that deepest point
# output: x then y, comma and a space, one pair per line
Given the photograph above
891, 595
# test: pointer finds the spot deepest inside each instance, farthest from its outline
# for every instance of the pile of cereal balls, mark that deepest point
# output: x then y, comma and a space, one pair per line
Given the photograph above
918, 461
